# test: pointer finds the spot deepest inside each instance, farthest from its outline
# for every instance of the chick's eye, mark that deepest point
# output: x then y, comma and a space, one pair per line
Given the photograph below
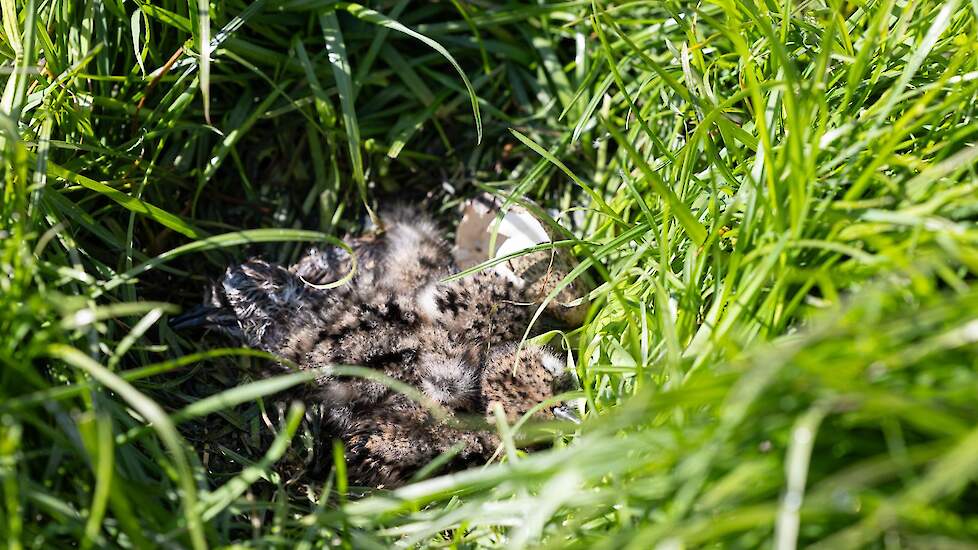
563, 382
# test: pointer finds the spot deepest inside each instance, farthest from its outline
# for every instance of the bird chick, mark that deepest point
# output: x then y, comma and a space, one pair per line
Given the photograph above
256, 303
408, 252
537, 273
519, 378
452, 381
454, 340
388, 444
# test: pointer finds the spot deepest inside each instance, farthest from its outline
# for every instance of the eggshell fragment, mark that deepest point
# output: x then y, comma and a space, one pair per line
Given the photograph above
516, 230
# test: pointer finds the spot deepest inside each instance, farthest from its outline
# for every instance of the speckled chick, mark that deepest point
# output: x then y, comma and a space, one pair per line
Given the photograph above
388, 444
453, 340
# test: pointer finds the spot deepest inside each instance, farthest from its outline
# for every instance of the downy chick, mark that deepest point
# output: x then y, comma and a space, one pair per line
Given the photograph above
450, 339
389, 443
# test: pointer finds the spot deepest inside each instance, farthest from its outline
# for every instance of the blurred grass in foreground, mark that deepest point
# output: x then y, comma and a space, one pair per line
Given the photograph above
777, 201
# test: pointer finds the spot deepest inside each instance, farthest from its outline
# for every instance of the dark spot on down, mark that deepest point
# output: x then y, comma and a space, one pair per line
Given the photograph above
428, 262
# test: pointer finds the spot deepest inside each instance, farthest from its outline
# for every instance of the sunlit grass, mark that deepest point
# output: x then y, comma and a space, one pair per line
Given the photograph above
775, 204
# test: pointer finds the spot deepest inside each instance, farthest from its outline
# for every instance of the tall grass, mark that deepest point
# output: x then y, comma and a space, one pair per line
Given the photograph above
776, 202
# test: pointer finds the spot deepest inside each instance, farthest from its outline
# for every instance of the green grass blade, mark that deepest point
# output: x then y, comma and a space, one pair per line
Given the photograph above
129, 202
336, 52
693, 227
155, 417
376, 18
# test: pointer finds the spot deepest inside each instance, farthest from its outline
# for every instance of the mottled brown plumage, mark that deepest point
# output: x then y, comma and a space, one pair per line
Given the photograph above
388, 443
452, 340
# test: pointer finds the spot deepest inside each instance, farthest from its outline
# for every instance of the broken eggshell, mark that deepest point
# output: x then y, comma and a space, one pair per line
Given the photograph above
538, 273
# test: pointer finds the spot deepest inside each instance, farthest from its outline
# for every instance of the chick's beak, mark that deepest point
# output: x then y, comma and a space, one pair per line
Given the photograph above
201, 316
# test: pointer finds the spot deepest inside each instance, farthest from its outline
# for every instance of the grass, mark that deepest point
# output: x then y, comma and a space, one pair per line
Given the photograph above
776, 202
